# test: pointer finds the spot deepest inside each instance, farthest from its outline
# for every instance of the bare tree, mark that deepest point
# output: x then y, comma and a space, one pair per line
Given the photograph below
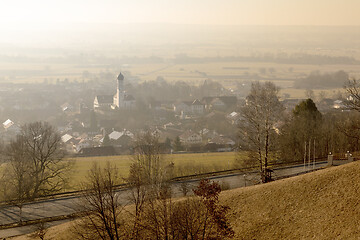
156, 217
147, 178
17, 181
352, 87
189, 219
34, 165
138, 196
101, 206
201, 216
35, 162
196, 217
40, 231
260, 114
209, 196
148, 154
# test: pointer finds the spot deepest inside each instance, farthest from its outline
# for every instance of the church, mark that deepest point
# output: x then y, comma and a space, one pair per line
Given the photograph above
121, 100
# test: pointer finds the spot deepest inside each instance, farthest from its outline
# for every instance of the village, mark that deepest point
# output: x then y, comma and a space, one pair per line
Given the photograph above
96, 119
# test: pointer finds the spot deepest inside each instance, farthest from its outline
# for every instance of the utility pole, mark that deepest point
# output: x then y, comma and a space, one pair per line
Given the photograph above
314, 155
305, 156
309, 157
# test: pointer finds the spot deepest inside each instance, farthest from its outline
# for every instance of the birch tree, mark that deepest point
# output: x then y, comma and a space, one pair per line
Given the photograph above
258, 126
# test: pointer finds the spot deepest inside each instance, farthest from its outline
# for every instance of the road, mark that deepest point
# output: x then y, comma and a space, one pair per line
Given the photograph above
69, 205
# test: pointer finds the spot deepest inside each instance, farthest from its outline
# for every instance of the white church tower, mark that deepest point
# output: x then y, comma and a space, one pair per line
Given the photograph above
119, 96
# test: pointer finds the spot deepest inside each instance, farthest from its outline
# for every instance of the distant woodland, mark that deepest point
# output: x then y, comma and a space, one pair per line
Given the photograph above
325, 80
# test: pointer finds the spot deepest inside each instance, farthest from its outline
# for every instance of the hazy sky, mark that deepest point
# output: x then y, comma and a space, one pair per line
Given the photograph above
35, 13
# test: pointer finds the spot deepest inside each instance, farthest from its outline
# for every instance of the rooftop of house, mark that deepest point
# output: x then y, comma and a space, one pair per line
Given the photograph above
65, 138
8, 123
188, 134
228, 100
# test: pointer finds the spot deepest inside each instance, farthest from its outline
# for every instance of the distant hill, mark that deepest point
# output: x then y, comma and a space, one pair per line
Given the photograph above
319, 205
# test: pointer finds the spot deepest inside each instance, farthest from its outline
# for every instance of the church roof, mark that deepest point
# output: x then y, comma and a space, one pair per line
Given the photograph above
129, 98
104, 99
120, 76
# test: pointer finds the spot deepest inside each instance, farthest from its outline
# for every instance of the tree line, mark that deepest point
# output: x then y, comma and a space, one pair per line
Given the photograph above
269, 134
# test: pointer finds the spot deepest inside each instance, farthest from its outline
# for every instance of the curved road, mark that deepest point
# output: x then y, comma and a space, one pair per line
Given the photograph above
68, 205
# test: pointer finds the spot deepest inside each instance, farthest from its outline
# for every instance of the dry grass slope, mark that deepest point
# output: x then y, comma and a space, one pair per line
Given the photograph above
319, 205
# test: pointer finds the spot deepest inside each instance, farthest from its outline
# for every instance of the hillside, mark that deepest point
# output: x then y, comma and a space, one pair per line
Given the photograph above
319, 205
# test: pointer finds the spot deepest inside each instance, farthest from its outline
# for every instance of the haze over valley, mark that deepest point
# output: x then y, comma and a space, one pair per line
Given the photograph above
127, 119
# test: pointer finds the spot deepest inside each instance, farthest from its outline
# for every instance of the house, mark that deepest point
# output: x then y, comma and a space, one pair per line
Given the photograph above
189, 137
220, 144
83, 143
197, 107
207, 134
182, 107
68, 142
10, 126
7, 124
126, 132
66, 107
219, 103
98, 151
234, 118
123, 138
338, 104
66, 138
189, 107
115, 135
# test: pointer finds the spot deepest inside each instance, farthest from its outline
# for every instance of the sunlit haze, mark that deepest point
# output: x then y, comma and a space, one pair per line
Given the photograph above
110, 110
25, 13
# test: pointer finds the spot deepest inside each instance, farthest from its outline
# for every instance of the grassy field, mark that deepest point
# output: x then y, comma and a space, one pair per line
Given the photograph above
226, 73
318, 205
184, 164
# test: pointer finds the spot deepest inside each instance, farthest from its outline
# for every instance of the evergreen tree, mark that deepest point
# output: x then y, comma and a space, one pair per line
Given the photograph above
177, 144
303, 127
106, 141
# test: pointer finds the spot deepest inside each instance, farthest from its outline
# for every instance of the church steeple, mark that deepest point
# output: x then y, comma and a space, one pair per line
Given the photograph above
120, 76
119, 90
122, 100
